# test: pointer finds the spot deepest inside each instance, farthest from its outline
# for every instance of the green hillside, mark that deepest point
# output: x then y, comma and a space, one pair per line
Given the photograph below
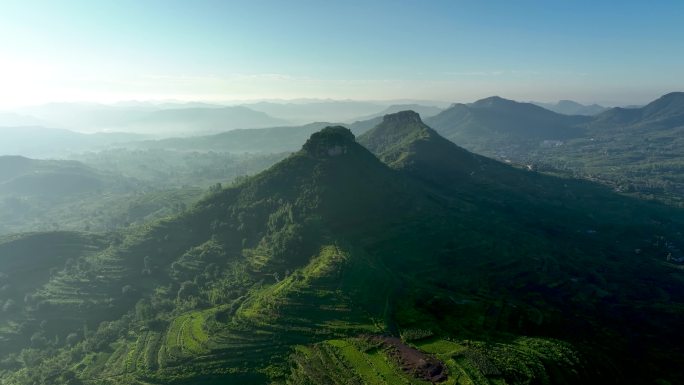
23, 176
334, 267
28, 262
403, 141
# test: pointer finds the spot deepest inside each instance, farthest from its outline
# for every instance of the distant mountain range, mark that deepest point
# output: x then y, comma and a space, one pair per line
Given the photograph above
195, 121
154, 119
307, 111
317, 111
569, 107
196, 118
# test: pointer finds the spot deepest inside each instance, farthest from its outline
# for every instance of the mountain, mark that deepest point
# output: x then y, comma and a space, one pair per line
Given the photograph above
404, 142
398, 134
497, 126
569, 107
336, 266
665, 112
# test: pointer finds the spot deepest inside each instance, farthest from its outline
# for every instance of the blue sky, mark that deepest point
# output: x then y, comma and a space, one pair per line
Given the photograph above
606, 51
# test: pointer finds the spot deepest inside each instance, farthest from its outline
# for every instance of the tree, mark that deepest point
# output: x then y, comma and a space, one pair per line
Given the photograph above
187, 290
29, 300
127, 290
72, 339
38, 340
143, 310
215, 188
9, 306
147, 265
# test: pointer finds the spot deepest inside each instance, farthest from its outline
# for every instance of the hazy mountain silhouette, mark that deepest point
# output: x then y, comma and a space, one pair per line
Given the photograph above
424, 111
164, 119
665, 112
569, 107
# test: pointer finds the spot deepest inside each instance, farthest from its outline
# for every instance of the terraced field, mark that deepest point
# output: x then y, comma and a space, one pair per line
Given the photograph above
254, 331
247, 339
521, 361
299, 309
364, 360
144, 356
186, 336
374, 366
348, 361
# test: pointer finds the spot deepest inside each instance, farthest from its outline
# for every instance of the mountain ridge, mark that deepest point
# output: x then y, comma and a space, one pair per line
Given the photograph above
666, 112
570, 107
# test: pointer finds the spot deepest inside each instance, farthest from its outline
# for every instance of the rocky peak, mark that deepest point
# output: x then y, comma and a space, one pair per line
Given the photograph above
402, 117
330, 142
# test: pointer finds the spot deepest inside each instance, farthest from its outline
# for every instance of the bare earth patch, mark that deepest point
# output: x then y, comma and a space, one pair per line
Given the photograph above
413, 361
